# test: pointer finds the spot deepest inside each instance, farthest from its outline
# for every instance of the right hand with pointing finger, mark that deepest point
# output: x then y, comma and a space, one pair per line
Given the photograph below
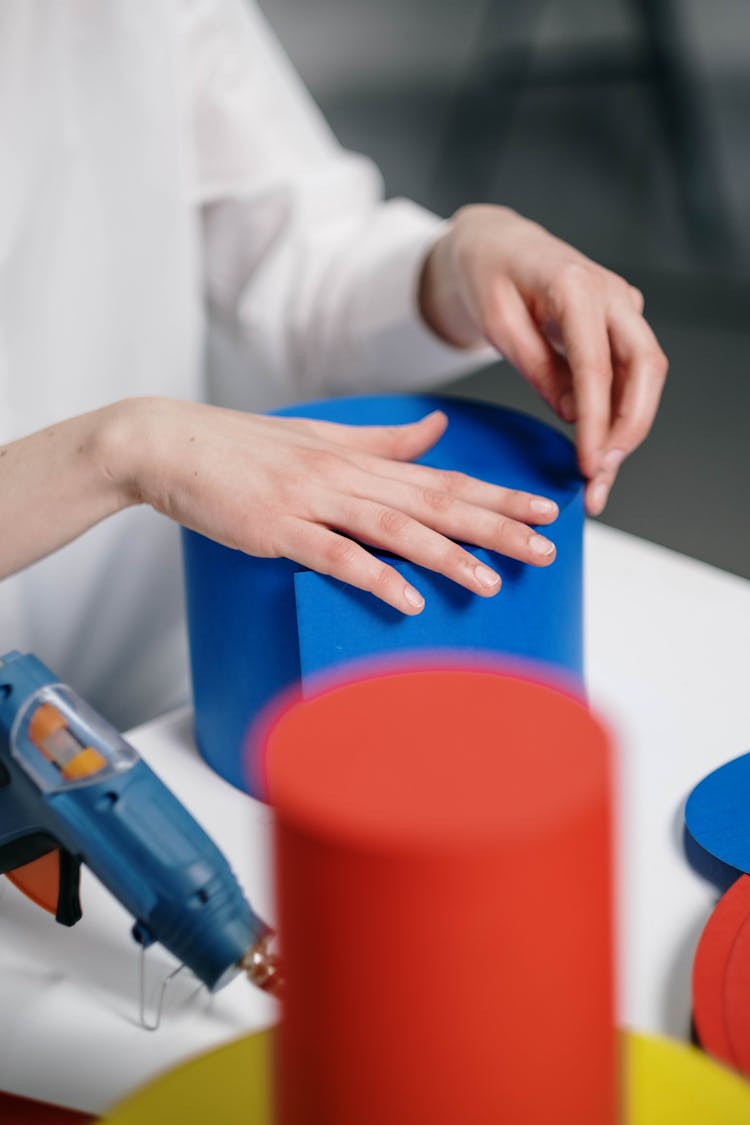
320, 493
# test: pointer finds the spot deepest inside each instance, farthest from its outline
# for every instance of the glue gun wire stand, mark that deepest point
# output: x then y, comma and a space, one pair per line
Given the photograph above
73, 791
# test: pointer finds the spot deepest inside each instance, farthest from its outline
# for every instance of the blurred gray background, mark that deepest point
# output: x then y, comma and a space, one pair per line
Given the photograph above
621, 125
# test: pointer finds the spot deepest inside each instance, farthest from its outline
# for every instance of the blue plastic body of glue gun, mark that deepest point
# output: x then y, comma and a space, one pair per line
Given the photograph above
73, 791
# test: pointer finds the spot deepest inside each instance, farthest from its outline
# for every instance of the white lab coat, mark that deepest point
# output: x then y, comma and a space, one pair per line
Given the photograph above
159, 158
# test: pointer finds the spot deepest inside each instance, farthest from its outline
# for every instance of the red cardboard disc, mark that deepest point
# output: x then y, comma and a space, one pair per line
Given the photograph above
736, 993
444, 882
714, 1002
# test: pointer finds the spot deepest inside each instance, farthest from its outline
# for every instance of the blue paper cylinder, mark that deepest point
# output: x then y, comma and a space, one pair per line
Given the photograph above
257, 626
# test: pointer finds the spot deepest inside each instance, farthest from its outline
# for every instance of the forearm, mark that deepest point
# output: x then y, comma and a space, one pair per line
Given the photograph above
57, 483
271, 487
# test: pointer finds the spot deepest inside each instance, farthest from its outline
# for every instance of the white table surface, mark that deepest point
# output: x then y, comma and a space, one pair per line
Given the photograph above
668, 655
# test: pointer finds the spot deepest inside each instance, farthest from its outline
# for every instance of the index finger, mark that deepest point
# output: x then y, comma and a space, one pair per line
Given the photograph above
586, 340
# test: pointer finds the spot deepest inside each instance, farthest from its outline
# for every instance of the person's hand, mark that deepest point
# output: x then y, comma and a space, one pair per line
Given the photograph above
314, 492
572, 328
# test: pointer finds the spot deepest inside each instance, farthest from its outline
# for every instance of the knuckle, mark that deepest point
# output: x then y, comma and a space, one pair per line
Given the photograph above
574, 275
381, 580
450, 481
570, 283
637, 298
436, 500
503, 528
392, 523
618, 285
288, 490
594, 373
263, 532
340, 554
322, 462
307, 426
653, 364
453, 560
661, 363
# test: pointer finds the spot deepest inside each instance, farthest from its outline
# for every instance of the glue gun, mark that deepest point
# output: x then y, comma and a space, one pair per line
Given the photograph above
72, 790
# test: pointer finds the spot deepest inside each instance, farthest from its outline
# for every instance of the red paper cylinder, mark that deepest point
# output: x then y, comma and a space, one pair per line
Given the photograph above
444, 880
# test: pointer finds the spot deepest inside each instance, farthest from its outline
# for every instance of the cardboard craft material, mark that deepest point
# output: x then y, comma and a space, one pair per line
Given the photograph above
710, 971
444, 875
259, 626
670, 1082
716, 813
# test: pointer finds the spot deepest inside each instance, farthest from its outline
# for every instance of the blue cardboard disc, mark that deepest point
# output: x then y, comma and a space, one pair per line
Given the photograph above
258, 626
717, 817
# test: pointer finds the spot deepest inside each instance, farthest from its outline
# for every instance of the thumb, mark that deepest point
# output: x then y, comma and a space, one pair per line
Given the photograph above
398, 443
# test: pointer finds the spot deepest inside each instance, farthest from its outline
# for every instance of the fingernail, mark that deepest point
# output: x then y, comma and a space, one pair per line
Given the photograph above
599, 494
541, 546
413, 597
543, 507
613, 459
486, 577
568, 406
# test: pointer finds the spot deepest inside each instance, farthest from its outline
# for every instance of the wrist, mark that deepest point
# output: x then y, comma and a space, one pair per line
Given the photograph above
442, 299
124, 449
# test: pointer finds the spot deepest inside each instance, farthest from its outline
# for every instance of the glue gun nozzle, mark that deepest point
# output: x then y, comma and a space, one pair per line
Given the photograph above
262, 965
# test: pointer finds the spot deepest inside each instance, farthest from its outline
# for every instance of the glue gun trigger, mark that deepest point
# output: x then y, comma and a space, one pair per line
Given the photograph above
46, 873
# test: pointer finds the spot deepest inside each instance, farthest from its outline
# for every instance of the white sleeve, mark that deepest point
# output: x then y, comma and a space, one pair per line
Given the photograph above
301, 253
